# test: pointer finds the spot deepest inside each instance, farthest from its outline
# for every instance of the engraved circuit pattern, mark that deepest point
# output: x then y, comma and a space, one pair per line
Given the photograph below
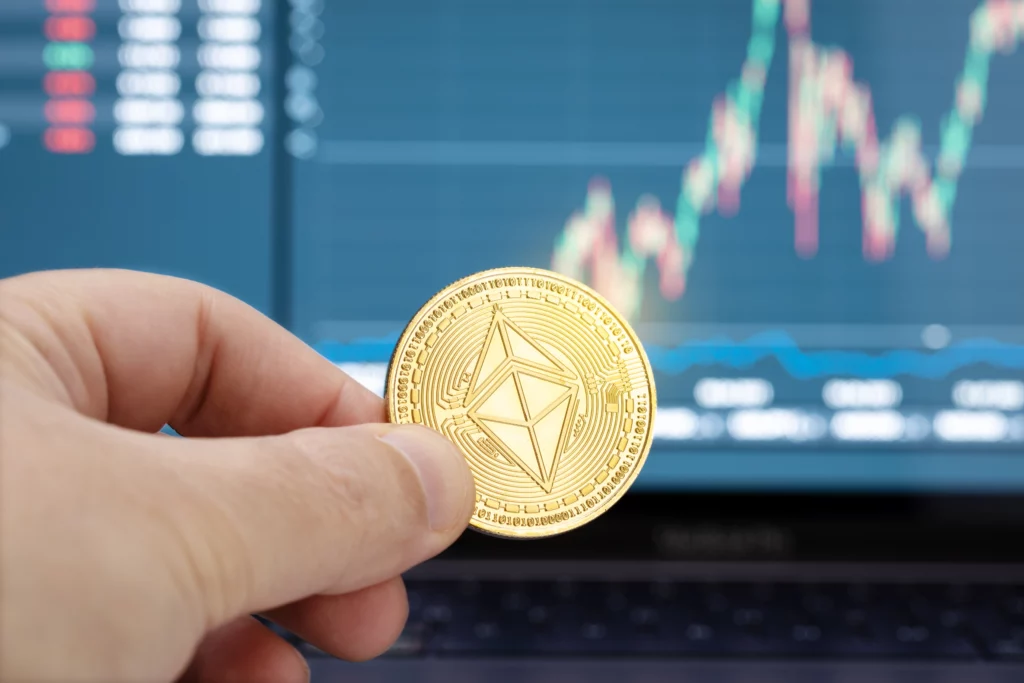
542, 386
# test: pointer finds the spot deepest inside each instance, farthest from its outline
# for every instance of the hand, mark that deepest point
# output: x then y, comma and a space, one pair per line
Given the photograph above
131, 555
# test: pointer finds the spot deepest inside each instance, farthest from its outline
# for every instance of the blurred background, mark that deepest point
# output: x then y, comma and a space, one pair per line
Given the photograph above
814, 220
812, 212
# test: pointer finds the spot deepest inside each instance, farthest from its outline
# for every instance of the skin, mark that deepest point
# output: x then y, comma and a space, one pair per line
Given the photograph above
130, 555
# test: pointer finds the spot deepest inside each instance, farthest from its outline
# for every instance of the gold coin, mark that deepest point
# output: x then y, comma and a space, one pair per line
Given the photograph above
542, 385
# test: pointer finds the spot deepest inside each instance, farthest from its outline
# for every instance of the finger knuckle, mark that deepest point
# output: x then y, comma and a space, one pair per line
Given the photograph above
347, 489
211, 554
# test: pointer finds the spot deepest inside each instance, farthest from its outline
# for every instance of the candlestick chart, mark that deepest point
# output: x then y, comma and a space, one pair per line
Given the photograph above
830, 113
808, 210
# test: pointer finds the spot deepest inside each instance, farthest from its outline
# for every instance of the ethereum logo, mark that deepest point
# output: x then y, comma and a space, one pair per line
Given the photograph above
521, 397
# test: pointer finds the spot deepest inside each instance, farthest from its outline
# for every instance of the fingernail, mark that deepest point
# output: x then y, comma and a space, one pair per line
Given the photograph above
442, 472
305, 666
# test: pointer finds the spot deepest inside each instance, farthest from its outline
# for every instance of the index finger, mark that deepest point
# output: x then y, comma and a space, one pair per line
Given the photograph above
142, 350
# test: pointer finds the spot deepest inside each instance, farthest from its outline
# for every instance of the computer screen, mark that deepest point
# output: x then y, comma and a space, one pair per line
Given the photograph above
134, 133
811, 212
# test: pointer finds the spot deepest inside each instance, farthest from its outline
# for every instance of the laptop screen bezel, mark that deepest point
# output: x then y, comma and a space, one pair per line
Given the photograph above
779, 527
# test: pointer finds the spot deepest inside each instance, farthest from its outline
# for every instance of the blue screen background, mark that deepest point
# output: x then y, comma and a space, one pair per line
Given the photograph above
425, 140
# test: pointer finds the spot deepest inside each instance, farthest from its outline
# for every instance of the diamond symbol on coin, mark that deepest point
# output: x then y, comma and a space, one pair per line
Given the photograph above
523, 398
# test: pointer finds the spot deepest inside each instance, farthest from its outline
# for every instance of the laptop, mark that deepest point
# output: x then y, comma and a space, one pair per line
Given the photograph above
811, 211
836, 486
713, 586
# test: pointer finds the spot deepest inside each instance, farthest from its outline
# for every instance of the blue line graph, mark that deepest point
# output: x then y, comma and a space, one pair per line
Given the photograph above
806, 365
800, 364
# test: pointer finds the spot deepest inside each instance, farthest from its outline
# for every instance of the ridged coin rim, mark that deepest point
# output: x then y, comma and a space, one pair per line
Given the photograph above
611, 500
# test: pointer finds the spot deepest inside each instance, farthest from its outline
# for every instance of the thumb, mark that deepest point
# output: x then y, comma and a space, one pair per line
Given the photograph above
325, 510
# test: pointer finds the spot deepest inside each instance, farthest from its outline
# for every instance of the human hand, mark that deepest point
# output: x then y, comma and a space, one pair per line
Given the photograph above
127, 555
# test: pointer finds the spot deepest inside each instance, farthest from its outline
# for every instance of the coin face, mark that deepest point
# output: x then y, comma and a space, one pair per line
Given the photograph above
542, 385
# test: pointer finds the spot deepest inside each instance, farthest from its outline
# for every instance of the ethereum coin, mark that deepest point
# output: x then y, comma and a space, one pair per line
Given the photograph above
542, 385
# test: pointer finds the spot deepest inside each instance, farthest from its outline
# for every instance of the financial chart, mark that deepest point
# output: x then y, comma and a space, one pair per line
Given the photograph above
810, 211
137, 134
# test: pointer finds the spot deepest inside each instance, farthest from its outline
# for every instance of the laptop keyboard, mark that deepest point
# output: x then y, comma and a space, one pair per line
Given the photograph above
703, 620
